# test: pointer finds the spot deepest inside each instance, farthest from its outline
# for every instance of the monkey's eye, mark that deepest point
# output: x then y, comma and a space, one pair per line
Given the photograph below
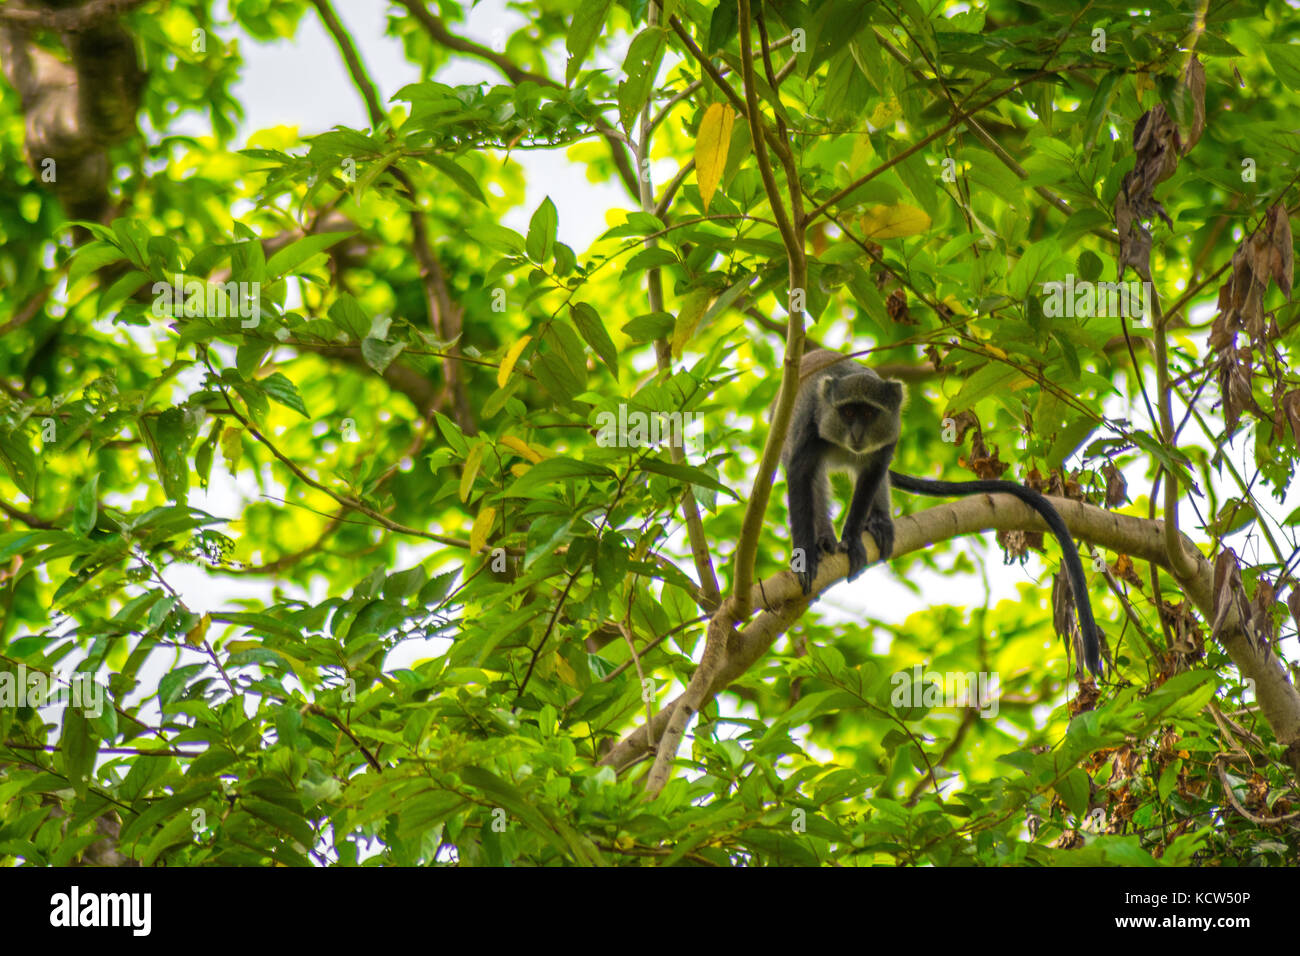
857, 412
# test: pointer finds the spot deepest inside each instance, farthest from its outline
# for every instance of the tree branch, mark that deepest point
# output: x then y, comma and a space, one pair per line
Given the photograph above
710, 596
1141, 538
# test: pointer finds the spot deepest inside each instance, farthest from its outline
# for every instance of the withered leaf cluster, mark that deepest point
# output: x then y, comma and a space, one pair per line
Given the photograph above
1265, 254
1233, 608
1158, 143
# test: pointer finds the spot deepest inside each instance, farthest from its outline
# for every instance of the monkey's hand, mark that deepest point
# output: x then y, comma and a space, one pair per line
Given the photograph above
857, 556
881, 527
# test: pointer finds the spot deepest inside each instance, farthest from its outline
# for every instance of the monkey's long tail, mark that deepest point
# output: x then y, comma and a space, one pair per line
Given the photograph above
1074, 567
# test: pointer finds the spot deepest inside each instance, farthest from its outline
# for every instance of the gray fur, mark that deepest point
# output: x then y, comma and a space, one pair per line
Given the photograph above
849, 417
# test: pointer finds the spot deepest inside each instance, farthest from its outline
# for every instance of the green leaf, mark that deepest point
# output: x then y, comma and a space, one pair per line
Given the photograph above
1032, 268
724, 23
512, 800
172, 684
86, 513
452, 433
283, 820
1098, 107
558, 470
593, 331
78, 748
584, 29
648, 327
834, 25
89, 258
169, 435
1183, 695
685, 473
17, 457
123, 287
1090, 265
348, 315
282, 389
648, 259
296, 253
641, 67
498, 237
988, 379
380, 354
1285, 60
1075, 789
563, 341
1168, 779
458, 175
541, 231
557, 377
177, 830
1070, 438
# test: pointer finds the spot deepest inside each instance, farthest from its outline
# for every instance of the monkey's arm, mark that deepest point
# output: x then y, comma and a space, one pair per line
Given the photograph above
866, 515
1069, 553
801, 478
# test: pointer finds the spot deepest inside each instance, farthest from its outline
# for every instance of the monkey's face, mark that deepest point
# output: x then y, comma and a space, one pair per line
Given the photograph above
862, 423
859, 412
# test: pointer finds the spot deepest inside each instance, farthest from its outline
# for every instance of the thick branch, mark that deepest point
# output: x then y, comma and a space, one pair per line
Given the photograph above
1181, 564
710, 595
720, 636
1140, 538
792, 234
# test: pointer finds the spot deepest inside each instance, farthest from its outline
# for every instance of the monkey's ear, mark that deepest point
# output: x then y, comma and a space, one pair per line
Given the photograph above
895, 393
826, 389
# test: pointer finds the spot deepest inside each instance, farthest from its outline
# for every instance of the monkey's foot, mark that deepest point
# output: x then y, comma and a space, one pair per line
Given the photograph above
805, 578
828, 543
803, 565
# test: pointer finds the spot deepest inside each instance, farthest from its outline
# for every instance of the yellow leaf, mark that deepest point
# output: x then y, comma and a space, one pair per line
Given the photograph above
862, 152
482, 525
885, 113
957, 306
236, 647
891, 222
472, 462
232, 449
564, 671
1141, 83
519, 469
508, 363
688, 317
199, 631
520, 446
711, 147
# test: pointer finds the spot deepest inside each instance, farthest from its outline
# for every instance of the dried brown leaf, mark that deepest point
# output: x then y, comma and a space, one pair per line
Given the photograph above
1116, 486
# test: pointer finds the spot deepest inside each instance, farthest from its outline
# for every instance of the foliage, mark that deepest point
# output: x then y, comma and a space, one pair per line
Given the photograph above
235, 513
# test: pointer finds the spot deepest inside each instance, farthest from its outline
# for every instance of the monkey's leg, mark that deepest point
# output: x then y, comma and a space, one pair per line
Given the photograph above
865, 513
880, 519
826, 539
801, 479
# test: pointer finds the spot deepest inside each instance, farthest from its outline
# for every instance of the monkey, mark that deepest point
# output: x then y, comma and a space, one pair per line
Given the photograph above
847, 418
